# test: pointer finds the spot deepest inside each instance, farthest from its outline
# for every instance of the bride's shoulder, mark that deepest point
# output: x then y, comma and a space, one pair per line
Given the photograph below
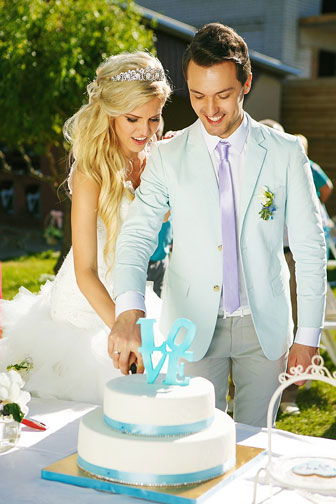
77, 180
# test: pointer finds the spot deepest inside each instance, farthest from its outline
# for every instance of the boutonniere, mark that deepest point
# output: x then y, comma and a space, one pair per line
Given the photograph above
268, 208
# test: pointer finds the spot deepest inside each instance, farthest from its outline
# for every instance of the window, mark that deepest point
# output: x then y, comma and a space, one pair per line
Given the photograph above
328, 6
33, 200
7, 196
327, 64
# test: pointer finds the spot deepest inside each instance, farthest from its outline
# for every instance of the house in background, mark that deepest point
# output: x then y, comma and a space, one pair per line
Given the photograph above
25, 203
270, 27
309, 104
24, 199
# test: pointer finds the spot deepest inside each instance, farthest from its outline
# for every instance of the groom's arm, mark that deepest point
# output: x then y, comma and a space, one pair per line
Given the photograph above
135, 245
306, 240
139, 234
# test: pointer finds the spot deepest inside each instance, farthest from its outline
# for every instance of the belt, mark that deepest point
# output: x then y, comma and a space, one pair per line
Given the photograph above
241, 312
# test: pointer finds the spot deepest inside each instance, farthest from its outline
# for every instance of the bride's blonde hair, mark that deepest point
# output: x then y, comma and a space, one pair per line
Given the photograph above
95, 149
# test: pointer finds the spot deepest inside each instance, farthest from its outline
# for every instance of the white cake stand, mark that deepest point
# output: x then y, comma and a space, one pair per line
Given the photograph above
311, 473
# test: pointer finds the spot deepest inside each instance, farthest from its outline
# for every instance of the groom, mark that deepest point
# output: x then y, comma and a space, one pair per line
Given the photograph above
231, 184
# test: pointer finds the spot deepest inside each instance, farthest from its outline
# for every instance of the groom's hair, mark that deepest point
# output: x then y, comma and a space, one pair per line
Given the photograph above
215, 43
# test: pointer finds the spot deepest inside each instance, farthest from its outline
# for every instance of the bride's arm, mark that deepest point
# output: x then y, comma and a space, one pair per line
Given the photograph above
85, 193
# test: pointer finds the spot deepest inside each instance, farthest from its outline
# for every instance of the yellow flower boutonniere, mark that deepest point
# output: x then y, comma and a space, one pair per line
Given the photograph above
267, 202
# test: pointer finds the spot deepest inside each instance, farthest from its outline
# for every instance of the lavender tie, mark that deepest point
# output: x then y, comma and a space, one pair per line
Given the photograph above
231, 301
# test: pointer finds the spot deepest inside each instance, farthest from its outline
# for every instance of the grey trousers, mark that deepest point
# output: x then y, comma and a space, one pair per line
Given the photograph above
255, 377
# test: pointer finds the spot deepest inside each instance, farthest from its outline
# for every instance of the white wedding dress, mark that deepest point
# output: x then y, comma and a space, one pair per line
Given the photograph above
62, 334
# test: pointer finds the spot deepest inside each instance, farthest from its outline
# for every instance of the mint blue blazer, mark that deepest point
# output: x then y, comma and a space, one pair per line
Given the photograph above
180, 177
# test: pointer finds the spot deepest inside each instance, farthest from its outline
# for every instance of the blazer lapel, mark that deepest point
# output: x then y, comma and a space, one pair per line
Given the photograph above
254, 160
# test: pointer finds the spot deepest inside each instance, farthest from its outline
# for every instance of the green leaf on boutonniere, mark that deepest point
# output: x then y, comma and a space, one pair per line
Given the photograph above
265, 214
267, 206
14, 410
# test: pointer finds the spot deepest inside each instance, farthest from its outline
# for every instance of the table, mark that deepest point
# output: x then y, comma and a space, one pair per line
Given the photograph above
20, 467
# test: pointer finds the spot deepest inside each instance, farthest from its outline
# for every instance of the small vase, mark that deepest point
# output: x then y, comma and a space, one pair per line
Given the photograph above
10, 431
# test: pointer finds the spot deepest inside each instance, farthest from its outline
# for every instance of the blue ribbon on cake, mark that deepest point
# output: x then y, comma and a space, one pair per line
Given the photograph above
155, 479
158, 430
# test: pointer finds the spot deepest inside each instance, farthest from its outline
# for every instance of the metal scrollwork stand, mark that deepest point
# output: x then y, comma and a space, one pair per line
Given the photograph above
309, 474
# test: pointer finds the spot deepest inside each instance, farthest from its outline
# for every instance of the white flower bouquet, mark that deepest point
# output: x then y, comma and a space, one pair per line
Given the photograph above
13, 400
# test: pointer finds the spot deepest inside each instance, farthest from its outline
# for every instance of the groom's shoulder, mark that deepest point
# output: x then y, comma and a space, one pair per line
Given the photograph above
178, 141
273, 135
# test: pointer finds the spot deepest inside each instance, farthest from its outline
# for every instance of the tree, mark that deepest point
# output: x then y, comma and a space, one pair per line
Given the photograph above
49, 50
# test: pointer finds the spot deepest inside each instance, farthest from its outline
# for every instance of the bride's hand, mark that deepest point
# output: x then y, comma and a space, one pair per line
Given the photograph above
125, 340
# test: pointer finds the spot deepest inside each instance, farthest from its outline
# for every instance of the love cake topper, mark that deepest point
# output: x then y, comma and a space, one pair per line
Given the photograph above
169, 349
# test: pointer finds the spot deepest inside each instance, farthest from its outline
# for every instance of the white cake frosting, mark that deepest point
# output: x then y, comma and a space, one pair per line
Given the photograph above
156, 459
132, 405
144, 460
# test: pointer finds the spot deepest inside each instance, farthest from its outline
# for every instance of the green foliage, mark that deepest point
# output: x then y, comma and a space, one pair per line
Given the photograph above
52, 232
49, 50
26, 271
23, 366
317, 408
317, 412
14, 410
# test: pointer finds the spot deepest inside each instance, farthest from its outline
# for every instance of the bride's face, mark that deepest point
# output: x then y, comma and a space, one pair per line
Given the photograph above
135, 130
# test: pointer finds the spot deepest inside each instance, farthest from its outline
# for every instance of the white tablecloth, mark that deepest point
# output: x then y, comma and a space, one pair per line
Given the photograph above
20, 468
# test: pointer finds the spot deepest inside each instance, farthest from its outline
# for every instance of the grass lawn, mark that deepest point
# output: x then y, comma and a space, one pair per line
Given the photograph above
317, 404
318, 409
27, 271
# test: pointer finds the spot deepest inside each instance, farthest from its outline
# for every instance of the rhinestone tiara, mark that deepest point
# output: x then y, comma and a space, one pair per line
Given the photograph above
140, 74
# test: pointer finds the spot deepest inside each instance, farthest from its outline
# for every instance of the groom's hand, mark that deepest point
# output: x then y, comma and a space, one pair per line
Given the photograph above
125, 340
301, 354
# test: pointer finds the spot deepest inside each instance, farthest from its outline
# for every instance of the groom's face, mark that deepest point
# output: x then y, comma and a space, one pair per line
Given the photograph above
217, 96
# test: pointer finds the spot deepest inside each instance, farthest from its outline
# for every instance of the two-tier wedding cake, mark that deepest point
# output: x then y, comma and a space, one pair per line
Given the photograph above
157, 434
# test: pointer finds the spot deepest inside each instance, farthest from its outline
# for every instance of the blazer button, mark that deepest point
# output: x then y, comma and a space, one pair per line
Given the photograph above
216, 288
220, 248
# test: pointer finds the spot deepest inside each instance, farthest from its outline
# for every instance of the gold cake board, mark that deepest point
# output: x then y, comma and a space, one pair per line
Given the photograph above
67, 471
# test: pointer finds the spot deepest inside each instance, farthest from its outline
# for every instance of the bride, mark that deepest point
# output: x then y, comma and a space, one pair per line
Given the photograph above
64, 328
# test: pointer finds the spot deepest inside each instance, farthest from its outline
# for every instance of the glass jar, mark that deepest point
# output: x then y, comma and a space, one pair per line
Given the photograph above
10, 431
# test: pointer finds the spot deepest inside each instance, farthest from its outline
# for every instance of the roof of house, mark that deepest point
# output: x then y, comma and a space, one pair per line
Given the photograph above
186, 32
